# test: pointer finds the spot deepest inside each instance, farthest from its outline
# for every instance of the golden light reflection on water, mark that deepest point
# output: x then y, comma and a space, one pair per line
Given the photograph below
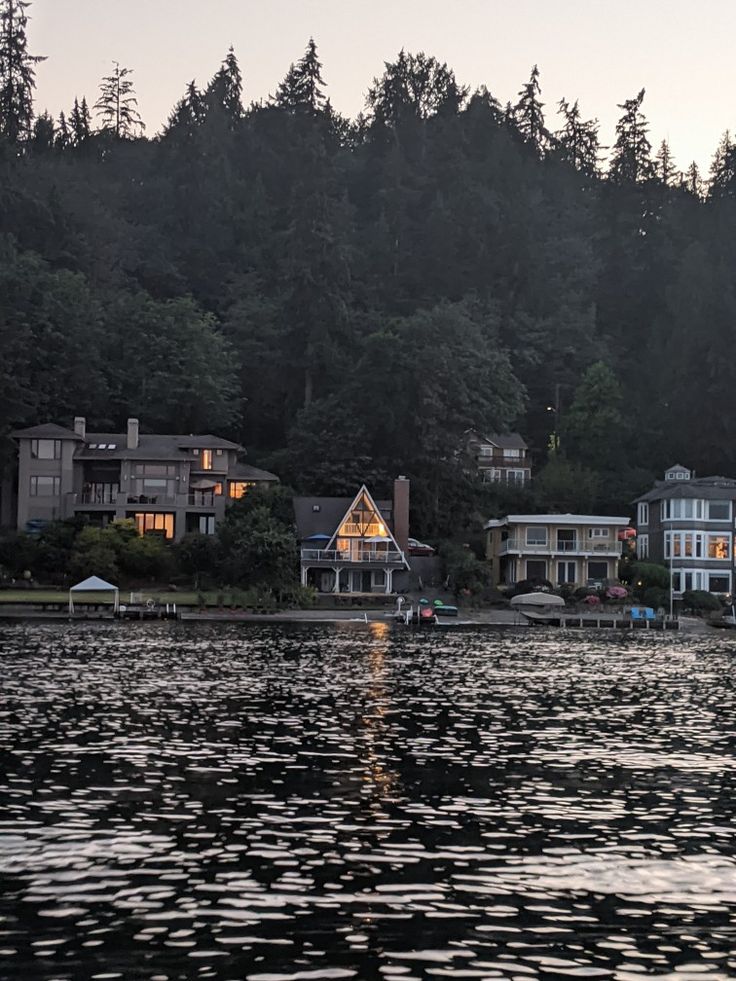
380, 781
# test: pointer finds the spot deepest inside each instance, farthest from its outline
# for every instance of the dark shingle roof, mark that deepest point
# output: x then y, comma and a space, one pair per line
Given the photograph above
504, 441
49, 430
244, 471
150, 447
207, 442
706, 488
330, 513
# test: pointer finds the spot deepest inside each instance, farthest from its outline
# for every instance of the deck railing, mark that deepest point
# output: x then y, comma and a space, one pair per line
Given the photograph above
579, 546
353, 555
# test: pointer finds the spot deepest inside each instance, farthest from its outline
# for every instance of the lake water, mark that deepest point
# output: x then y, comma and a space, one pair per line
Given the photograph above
318, 802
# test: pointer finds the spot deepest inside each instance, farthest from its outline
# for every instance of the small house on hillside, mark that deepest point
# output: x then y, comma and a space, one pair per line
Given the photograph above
500, 457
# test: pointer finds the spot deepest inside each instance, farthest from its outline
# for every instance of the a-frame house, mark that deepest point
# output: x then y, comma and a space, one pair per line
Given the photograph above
359, 553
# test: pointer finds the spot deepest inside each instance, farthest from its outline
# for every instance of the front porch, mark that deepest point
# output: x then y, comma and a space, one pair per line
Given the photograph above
366, 577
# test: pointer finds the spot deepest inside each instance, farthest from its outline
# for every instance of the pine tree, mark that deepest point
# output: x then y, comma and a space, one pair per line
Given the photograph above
118, 105
529, 115
79, 122
300, 88
666, 169
63, 135
224, 93
17, 74
631, 161
577, 142
44, 133
187, 115
723, 169
308, 79
692, 182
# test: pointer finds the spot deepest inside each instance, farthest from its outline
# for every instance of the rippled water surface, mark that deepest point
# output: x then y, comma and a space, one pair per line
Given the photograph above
273, 803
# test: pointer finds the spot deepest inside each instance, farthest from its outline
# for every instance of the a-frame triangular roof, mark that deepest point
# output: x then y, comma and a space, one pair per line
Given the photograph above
369, 508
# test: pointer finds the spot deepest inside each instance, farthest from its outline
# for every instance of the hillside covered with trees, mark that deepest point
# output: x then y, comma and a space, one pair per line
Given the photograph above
347, 297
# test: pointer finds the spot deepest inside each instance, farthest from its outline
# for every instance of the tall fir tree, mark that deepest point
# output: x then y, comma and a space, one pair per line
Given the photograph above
118, 105
187, 115
223, 96
631, 161
80, 124
577, 141
302, 87
665, 165
17, 72
63, 133
692, 182
723, 169
529, 114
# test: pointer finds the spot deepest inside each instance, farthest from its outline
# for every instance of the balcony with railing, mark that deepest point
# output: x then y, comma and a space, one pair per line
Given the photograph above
561, 546
97, 494
201, 499
356, 555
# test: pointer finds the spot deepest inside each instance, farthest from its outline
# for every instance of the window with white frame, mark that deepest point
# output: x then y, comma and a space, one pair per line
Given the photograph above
484, 450
719, 510
682, 508
512, 454
642, 547
684, 544
719, 582
597, 532
536, 536
643, 516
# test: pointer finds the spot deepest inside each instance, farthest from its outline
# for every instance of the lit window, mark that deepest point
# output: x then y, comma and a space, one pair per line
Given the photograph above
717, 547
156, 522
239, 488
218, 490
206, 459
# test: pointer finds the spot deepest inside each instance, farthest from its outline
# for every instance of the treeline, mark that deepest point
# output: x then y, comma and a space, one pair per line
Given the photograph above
347, 297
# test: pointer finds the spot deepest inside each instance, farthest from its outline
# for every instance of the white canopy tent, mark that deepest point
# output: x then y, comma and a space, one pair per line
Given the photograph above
94, 585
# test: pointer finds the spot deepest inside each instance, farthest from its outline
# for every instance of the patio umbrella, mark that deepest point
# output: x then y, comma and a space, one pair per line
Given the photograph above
537, 599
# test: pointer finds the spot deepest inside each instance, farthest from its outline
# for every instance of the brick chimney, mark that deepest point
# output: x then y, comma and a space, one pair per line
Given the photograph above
132, 434
80, 426
401, 512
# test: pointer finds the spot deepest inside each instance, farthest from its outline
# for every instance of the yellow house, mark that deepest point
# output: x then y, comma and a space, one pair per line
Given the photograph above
566, 549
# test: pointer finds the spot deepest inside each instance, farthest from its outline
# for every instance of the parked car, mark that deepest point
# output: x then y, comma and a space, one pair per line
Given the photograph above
419, 548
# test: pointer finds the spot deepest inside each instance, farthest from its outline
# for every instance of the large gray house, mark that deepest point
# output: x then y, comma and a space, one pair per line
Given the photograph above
167, 484
688, 523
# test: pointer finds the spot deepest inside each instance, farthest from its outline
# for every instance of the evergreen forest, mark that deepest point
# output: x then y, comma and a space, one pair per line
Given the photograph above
347, 297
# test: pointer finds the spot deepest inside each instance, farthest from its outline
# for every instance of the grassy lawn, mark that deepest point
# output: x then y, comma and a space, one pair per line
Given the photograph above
183, 598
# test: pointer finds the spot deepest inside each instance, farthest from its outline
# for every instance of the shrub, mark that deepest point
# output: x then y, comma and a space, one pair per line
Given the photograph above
700, 601
656, 597
646, 575
466, 573
146, 557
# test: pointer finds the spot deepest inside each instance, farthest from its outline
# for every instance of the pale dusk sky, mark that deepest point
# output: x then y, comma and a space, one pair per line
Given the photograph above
599, 52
